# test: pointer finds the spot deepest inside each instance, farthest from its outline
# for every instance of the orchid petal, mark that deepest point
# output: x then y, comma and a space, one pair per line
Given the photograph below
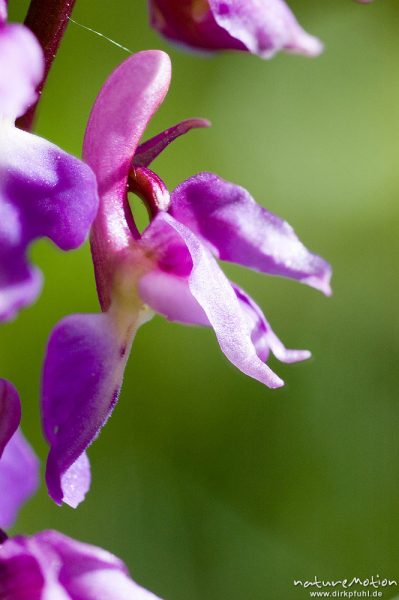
21, 69
190, 25
171, 297
213, 292
10, 412
147, 152
264, 27
241, 231
21, 576
19, 478
120, 115
82, 376
91, 573
52, 566
117, 122
43, 192
262, 335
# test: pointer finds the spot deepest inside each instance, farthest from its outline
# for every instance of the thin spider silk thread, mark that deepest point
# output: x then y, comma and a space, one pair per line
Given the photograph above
101, 35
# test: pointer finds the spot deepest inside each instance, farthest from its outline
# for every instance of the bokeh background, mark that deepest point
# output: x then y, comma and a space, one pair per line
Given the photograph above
207, 484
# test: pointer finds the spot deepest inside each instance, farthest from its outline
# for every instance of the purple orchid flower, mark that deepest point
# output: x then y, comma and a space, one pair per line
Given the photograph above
262, 27
44, 192
170, 268
52, 566
19, 467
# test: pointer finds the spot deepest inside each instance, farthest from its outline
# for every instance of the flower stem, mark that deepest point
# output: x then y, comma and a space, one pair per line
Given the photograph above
47, 19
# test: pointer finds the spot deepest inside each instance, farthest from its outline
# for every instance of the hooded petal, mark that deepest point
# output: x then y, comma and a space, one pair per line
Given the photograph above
52, 566
44, 192
19, 478
262, 27
239, 230
10, 412
21, 68
117, 122
211, 290
82, 376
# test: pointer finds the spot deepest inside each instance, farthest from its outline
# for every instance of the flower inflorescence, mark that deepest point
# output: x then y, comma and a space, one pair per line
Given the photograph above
171, 268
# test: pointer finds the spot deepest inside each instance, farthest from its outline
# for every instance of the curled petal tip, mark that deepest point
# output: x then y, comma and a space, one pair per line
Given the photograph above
321, 282
307, 45
72, 485
275, 383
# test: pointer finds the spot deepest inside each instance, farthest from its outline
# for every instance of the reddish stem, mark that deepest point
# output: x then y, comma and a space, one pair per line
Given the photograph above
48, 20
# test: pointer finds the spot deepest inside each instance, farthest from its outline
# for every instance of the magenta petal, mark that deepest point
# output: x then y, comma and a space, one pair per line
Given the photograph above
52, 566
19, 478
53, 193
147, 152
120, 115
19, 467
264, 26
44, 192
82, 375
21, 575
171, 297
117, 122
215, 295
262, 335
239, 230
190, 24
10, 412
92, 573
20, 288
21, 69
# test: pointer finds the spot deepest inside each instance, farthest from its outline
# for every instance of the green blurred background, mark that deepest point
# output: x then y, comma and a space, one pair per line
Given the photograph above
207, 484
